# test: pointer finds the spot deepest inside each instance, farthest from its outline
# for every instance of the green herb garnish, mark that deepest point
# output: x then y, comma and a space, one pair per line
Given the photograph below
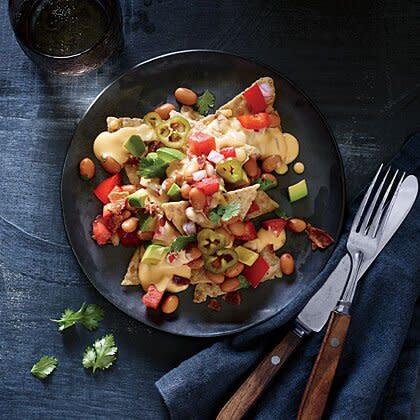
151, 167
224, 213
265, 185
281, 213
181, 242
44, 367
89, 316
101, 355
205, 102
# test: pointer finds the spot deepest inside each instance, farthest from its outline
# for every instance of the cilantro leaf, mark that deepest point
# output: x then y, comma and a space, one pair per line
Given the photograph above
205, 102
224, 212
89, 316
44, 367
152, 168
266, 184
181, 242
281, 213
243, 282
101, 355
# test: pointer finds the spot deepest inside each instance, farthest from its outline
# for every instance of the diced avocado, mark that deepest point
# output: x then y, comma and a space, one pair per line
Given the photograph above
135, 145
137, 199
168, 155
149, 225
154, 254
152, 155
298, 191
174, 192
246, 256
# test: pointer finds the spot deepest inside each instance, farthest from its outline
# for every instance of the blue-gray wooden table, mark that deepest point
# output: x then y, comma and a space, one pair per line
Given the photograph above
358, 61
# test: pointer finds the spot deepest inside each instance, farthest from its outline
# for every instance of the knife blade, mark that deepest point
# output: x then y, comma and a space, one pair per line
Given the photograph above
315, 314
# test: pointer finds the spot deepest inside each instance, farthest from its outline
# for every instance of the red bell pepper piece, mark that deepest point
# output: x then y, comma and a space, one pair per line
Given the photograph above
255, 121
255, 98
100, 231
275, 225
106, 186
201, 143
152, 298
228, 152
256, 272
253, 208
250, 232
209, 186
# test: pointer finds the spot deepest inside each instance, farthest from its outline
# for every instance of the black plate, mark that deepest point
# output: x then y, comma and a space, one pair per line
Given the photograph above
140, 90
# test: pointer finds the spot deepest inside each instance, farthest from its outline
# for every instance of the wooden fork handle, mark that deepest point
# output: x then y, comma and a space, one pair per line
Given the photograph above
249, 392
318, 387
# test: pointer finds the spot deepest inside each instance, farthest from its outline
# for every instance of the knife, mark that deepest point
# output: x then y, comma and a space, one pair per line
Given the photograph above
315, 314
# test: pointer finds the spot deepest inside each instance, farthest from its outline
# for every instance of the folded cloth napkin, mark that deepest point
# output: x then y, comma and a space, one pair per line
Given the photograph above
377, 373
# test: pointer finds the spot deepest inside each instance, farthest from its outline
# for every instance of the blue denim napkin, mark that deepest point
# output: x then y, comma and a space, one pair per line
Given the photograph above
378, 370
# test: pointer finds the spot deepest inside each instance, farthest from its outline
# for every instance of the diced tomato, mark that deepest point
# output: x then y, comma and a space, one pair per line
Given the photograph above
101, 234
209, 186
201, 143
129, 239
256, 272
255, 98
228, 152
152, 298
253, 208
275, 225
250, 232
255, 122
106, 186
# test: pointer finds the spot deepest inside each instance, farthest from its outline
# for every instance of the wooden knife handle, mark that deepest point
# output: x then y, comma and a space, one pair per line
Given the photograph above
249, 392
318, 387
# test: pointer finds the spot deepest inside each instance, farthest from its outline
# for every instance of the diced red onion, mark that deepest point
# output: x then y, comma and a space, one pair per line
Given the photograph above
215, 157
266, 90
189, 228
199, 175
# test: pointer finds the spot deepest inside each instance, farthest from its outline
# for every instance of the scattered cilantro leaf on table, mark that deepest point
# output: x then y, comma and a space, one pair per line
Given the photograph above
205, 102
224, 213
44, 367
281, 213
89, 316
152, 168
101, 355
181, 242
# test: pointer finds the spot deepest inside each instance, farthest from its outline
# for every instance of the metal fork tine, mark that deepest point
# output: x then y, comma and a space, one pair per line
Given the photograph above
365, 200
378, 221
363, 228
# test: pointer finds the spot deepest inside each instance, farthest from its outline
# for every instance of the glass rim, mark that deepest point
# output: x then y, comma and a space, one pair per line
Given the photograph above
65, 57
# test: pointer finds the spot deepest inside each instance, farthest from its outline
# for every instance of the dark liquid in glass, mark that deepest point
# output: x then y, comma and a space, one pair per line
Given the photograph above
63, 27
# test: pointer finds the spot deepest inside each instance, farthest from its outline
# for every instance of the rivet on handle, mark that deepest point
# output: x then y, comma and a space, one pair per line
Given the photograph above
275, 360
335, 342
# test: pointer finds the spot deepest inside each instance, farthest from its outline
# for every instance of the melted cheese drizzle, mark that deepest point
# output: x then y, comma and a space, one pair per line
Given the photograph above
112, 144
266, 237
161, 275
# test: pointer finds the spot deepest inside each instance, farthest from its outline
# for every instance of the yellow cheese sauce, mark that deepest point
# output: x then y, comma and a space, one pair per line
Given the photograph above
266, 237
112, 144
161, 276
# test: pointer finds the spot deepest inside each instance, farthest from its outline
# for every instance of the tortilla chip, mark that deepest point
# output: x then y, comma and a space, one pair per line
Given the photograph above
131, 277
204, 290
274, 265
265, 204
131, 172
199, 217
175, 213
239, 106
198, 276
244, 196
114, 123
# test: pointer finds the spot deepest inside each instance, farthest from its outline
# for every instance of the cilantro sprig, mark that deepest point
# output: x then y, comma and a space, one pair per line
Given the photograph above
88, 315
101, 355
181, 242
205, 102
152, 167
44, 367
224, 213
265, 184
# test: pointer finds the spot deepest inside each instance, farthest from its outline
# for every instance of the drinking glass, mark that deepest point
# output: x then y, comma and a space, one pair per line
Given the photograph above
68, 37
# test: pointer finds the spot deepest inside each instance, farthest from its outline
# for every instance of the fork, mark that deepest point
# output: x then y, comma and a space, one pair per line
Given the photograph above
362, 243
